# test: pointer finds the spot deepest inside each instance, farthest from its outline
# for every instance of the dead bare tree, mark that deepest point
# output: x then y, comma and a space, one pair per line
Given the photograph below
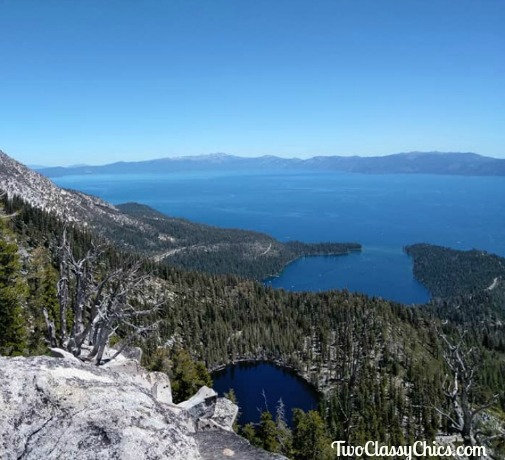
459, 389
101, 302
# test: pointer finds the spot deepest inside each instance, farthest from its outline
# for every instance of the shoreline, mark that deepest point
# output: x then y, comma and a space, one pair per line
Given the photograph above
301, 256
276, 362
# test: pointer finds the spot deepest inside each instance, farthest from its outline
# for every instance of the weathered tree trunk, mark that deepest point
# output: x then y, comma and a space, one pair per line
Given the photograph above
463, 364
63, 299
103, 340
51, 329
100, 303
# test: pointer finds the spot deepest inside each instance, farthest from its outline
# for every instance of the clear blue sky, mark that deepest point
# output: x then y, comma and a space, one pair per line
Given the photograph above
86, 81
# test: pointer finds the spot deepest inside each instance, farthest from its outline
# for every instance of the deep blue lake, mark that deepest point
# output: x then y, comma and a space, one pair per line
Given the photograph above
382, 212
251, 380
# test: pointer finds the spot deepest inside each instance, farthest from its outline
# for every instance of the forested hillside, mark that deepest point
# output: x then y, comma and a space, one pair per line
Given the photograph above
469, 288
379, 364
212, 249
447, 272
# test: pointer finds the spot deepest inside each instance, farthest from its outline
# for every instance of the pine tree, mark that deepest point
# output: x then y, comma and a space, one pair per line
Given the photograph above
13, 293
42, 279
284, 435
187, 375
310, 438
268, 433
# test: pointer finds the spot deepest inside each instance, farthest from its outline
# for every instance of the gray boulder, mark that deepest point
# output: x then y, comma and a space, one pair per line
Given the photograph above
55, 409
160, 386
59, 353
201, 404
216, 445
130, 352
225, 413
123, 365
210, 412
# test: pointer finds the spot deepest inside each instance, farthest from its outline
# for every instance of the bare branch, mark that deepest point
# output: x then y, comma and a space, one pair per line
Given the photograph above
101, 302
463, 365
51, 328
448, 417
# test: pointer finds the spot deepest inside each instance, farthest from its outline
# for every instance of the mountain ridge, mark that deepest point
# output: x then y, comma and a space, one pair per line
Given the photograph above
450, 163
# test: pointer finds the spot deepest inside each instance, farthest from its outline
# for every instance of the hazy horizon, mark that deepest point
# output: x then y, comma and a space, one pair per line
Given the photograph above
175, 157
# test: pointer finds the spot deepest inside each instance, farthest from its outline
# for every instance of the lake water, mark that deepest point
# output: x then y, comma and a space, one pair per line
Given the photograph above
382, 212
255, 382
375, 271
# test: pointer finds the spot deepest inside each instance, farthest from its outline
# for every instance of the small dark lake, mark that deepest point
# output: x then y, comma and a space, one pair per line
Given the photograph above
250, 380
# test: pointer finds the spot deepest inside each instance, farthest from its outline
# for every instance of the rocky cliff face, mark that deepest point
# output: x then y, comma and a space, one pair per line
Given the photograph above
18, 180
57, 408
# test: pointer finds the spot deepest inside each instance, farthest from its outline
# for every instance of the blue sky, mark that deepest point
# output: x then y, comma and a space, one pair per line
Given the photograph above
96, 82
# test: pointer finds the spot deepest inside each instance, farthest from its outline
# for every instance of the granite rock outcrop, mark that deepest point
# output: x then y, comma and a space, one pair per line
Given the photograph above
59, 408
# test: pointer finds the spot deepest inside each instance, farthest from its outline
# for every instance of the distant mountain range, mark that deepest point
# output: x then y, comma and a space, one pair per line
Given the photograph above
450, 163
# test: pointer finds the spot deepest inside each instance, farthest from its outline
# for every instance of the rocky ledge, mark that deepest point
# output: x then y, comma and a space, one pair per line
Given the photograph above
60, 408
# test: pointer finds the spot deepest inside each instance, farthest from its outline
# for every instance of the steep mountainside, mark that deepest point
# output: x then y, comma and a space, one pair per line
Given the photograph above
466, 164
143, 230
220, 250
18, 180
